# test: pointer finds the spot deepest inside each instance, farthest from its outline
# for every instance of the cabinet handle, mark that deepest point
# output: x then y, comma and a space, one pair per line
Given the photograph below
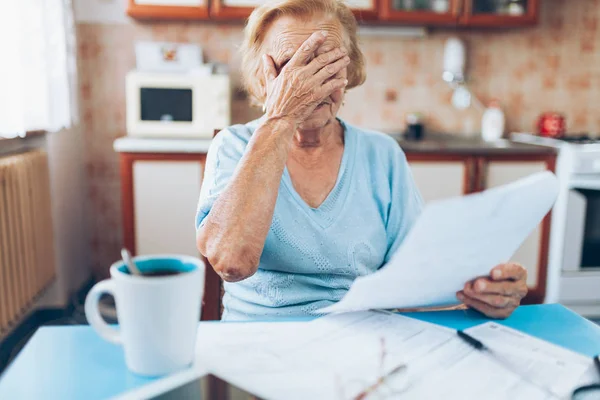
458, 7
470, 183
482, 169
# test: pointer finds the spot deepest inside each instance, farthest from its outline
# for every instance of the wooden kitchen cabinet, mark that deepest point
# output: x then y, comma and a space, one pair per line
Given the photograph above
439, 176
168, 9
233, 9
165, 196
442, 176
241, 9
420, 12
487, 13
533, 253
159, 200
473, 13
365, 10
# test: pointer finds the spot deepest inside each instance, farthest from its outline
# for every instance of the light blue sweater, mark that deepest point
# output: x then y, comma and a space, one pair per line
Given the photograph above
311, 256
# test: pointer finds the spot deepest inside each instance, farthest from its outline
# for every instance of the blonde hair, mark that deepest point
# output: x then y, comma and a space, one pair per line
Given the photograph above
263, 16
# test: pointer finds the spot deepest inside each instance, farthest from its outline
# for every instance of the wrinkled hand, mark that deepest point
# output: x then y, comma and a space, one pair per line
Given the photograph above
498, 295
305, 81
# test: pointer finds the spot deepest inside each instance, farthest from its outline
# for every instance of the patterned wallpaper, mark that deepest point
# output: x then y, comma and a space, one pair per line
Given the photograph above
552, 67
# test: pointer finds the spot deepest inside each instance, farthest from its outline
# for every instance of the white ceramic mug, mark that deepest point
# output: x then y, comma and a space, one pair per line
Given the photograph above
158, 315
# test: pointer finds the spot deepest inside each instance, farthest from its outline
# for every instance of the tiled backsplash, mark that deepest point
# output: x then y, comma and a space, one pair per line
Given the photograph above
552, 67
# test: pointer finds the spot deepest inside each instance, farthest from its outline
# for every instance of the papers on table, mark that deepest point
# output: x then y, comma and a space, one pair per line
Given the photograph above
522, 367
339, 355
556, 368
334, 357
452, 242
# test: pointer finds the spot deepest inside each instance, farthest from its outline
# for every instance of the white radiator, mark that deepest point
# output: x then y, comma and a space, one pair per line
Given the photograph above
26, 242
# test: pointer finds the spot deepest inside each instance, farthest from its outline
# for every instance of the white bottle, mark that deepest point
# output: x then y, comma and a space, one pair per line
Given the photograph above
440, 6
493, 122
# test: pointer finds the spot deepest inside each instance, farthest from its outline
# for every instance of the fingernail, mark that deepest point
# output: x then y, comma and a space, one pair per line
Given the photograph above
481, 286
497, 274
345, 81
324, 34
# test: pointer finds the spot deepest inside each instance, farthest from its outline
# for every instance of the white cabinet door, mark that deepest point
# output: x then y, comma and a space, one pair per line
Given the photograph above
354, 4
243, 3
172, 3
165, 195
361, 4
439, 180
499, 173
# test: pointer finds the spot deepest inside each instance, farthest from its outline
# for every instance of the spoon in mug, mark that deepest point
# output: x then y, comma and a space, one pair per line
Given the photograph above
133, 269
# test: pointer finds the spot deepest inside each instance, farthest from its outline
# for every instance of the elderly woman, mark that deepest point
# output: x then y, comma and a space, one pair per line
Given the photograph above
299, 203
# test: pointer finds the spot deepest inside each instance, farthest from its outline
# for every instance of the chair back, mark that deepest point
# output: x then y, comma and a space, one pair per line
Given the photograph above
212, 307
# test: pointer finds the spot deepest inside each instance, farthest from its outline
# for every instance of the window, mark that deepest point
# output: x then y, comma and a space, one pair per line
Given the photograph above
37, 66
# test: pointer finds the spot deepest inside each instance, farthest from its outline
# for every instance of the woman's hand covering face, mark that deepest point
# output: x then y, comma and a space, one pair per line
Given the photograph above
305, 81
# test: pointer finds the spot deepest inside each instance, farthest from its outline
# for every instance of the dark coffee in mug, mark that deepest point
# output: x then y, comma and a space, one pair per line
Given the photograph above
159, 273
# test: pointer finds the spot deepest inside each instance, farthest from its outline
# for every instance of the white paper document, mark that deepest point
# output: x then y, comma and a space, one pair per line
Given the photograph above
452, 242
334, 357
340, 355
554, 367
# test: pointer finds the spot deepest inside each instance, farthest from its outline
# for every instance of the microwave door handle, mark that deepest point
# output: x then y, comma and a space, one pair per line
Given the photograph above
574, 231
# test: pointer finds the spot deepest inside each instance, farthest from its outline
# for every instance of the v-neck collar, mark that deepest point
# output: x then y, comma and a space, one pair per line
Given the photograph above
329, 209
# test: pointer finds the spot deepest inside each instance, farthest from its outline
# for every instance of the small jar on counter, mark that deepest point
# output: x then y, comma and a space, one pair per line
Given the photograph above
493, 122
515, 8
440, 6
414, 127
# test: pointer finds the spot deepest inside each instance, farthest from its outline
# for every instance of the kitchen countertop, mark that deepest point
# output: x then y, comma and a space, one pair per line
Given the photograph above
453, 144
432, 144
130, 144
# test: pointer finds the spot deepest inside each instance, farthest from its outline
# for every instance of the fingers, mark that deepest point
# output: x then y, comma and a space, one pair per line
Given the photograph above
485, 308
330, 87
269, 68
496, 301
307, 49
325, 59
506, 271
500, 294
332, 69
503, 288
496, 294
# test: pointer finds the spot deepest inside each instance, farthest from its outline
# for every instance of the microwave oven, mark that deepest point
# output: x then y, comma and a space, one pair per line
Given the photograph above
171, 105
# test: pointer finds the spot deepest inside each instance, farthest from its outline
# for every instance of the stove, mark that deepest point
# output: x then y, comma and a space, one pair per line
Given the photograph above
580, 153
574, 251
580, 139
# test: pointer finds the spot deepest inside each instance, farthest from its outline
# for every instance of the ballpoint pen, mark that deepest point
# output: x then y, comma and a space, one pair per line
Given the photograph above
478, 345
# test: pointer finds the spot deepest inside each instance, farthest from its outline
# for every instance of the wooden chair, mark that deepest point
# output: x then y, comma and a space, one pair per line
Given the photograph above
212, 304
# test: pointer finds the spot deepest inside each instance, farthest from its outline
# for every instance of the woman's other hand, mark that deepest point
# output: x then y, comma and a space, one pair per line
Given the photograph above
498, 295
305, 81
